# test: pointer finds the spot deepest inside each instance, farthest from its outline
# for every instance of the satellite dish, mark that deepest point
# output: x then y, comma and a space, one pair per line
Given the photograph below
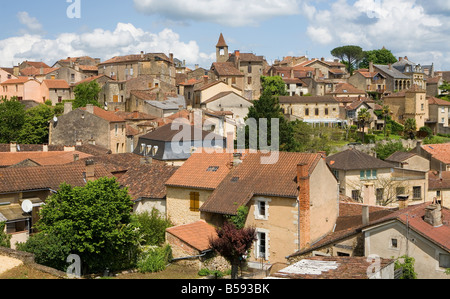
55, 119
27, 206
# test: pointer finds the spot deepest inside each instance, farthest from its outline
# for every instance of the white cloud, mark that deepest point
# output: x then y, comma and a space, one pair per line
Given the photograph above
99, 43
32, 24
234, 13
403, 26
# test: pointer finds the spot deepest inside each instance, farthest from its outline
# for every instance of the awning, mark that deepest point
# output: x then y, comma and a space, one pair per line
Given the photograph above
12, 212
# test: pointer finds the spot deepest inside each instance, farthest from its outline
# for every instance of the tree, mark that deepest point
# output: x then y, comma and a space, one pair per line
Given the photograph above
4, 238
86, 93
12, 118
275, 85
350, 55
233, 244
383, 151
268, 108
410, 128
35, 129
382, 56
94, 222
407, 267
364, 118
386, 111
445, 89
153, 227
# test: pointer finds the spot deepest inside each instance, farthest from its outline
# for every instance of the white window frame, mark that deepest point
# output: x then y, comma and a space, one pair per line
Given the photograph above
260, 231
257, 206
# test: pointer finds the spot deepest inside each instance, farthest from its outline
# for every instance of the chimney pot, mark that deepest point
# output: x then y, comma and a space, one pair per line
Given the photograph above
365, 215
90, 170
67, 107
13, 147
433, 215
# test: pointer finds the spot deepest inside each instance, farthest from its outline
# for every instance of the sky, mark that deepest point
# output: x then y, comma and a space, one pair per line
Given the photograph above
55, 29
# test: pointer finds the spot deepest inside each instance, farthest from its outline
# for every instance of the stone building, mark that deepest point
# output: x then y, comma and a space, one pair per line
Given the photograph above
123, 68
89, 125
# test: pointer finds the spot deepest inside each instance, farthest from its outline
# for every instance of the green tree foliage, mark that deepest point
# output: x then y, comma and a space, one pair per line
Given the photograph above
153, 227
382, 56
48, 249
86, 93
445, 89
35, 130
350, 55
410, 128
407, 266
364, 119
94, 222
12, 119
383, 151
268, 107
239, 219
274, 85
4, 238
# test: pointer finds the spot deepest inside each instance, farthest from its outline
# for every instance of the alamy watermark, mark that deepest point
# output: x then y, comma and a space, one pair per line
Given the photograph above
74, 9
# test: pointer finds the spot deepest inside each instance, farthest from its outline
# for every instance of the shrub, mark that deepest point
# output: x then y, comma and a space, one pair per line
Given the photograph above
4, 238
152, 227
155, 259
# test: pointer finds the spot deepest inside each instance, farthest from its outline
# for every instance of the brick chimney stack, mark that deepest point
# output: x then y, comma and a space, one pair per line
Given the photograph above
304, 205
90, 170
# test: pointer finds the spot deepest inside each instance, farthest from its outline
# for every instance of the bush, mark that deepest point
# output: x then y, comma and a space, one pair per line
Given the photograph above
153, 227
155, 259
49, 250
4, 238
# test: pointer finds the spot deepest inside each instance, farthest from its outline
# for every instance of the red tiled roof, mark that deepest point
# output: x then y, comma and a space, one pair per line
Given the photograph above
32, 71
194, 172
439, 152
437, 101
333, 267
221, 43
106, 115
45, 177
251, 177
56, 84
226, 69
196, 234
19, 80
41, 158
438, 181
147, 180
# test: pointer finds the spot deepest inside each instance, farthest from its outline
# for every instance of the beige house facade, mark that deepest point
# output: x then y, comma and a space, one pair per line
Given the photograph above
411, 103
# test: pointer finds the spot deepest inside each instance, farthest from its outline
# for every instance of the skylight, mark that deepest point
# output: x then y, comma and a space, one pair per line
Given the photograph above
212, 168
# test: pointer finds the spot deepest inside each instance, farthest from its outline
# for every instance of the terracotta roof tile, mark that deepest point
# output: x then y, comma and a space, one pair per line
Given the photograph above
41, 158
439, 152
147, 180
221, 43
56, 84
226, 69
251, 177
196, 171
196, 234
45, 177
106, 115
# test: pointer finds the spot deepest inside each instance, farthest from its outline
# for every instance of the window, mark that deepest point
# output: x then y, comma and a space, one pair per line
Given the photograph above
444, 260
261, 245
249, 80
380, 195
317, 111
212, 169
116, 129
326, 111
307, 111
356, 195
394, 243
417, 192
370, 174
261, 209
195, 202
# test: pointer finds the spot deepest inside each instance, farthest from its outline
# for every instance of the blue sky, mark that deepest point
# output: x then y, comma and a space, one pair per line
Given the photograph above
190, 28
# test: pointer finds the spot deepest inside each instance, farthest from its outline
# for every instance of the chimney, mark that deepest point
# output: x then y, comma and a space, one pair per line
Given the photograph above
371, 69
45, 148
67, 107
322, 59
230, 142
171, 57
79, 142
237, 159
142, 54
13, 147
146, 161
433, 215
90, 108
41, 71
400, 58
205, 79
76, 157
390, 66
292, 73
304, 205
365, 215
323, 154
403, 201
237, 53
90, 170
